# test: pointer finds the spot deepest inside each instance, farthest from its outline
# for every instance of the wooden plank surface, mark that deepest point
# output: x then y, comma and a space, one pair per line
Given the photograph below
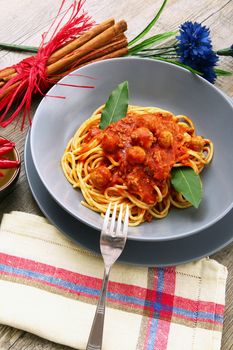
23, 21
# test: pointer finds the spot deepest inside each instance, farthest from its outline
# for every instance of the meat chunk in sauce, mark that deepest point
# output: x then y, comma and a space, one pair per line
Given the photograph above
196, 143
100, 177
165, 139
136, 155
110, 142
143, 137
139, 184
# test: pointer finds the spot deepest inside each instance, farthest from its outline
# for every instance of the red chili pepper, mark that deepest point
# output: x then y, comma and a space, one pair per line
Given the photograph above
5, 164
5, 149
3, 141
8, 143
1, 174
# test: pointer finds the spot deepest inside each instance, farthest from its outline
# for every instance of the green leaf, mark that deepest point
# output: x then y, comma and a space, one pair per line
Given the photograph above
19, 48
149, 26
150, 41
177, 63
221, 72
116, 107
187, 182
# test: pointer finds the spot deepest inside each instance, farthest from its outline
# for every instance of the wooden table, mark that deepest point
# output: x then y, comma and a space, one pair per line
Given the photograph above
23, 21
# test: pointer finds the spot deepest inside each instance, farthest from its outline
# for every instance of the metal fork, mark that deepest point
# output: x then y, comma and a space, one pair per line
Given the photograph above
112, 242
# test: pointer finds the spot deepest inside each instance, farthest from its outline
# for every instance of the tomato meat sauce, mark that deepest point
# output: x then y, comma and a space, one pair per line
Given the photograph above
145, 148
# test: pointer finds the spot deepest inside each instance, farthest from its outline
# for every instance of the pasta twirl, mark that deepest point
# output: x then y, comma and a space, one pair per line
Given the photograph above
130, 162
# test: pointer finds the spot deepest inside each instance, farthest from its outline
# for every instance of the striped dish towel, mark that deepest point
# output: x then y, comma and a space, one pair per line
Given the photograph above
49, 286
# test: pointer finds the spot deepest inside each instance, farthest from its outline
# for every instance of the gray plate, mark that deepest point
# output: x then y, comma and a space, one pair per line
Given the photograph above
163, 253
151, 83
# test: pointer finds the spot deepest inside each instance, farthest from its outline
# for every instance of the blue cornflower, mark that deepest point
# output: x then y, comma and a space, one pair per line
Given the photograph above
195, 49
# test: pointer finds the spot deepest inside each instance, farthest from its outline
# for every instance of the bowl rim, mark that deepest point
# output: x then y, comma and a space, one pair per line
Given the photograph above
16, 171
131, 237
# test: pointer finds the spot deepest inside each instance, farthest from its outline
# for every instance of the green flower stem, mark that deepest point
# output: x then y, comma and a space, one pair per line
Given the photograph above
173, 47
147, 43
149, 26
159, 52
170, 57
225, 52
175, 56
156, 54
177, 63
19, 48
221, 72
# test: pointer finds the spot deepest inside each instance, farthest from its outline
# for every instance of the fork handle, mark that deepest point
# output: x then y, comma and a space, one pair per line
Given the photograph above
96, 334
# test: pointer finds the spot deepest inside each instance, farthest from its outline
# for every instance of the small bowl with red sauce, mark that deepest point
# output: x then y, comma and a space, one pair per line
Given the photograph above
9, 166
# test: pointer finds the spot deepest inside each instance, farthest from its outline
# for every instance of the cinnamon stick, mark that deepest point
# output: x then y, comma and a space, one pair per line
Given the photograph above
7, 71
6, 91
66, 49
102, 52
106, 54
118, 53
105, 50
121, 41
5, 79
81, 40
114, 54
95, 43
106, 40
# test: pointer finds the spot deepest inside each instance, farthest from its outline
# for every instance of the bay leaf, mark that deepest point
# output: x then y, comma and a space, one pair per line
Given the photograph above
116, 106
187, 182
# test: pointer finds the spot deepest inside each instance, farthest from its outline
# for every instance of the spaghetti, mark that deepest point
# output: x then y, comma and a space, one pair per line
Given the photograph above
130, 162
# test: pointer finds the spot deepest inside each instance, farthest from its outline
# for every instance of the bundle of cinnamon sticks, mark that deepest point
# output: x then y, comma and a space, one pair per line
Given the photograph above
105, 40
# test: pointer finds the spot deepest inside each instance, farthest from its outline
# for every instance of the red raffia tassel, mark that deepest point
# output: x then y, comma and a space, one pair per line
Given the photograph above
31, 77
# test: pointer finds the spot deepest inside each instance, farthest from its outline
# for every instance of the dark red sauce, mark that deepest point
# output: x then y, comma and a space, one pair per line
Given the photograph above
146, 148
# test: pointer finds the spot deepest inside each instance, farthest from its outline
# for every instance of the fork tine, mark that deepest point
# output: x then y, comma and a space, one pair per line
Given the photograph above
106, 218
126, 221
118, 229
113, 219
